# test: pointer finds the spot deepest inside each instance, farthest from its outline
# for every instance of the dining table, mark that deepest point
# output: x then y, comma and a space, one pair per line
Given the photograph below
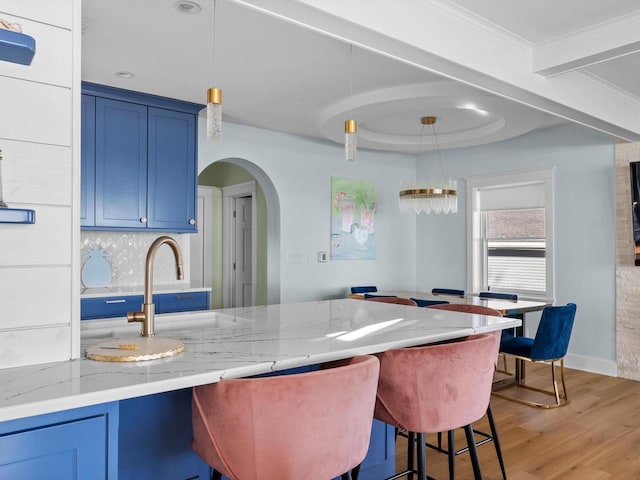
507, 308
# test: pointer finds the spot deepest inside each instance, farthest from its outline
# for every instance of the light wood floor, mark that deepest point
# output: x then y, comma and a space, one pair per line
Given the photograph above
595, 437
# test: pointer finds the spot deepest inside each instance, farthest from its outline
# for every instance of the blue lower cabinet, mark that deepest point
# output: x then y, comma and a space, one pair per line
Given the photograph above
380, 461
76, 444
155, 439
182, 302
107, 307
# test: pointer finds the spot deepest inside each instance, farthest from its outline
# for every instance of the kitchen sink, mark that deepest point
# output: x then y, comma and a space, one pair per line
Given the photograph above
115, 340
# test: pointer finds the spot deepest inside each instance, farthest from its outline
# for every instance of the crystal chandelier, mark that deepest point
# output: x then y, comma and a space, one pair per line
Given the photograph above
214, 96
440, 196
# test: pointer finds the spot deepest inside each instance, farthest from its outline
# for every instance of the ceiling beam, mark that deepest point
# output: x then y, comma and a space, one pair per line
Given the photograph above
427, 35
600, 43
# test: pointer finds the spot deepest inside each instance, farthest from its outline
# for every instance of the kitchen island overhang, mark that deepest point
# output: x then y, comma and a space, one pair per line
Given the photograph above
232, 343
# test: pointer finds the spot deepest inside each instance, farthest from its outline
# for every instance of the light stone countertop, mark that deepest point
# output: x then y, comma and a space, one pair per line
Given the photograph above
139, 290
231, 343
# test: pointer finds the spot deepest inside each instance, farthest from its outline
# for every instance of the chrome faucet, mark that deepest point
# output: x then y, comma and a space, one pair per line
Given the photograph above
147, 315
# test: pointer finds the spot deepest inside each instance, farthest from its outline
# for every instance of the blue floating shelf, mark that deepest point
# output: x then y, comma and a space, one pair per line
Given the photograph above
16, 47
17, 215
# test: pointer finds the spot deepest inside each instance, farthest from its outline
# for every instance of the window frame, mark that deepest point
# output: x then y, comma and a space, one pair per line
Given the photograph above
476, 248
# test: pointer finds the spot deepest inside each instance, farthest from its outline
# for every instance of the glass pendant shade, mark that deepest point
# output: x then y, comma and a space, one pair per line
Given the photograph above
214, 113
350, 140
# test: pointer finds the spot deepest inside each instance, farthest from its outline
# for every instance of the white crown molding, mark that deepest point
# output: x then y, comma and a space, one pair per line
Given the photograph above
588, 46
481, 22
609, 88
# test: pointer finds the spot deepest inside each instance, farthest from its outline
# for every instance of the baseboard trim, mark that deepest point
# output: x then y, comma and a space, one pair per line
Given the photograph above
591, 364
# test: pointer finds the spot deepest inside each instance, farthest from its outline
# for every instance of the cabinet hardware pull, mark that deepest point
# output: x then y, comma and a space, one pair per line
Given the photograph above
184, 297
121, 300
192, 221
143, 220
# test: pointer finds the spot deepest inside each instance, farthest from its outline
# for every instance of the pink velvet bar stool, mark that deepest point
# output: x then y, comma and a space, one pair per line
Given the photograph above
436, 388
485, 437
312, 426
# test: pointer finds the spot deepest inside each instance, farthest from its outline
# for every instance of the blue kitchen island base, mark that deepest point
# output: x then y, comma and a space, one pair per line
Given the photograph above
139, 438
74, 444
155, 435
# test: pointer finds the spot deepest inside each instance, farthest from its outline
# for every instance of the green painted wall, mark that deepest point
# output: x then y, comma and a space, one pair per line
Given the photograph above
224, 174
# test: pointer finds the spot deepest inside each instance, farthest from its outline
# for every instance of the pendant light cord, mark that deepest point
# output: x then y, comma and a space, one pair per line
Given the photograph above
350, 81
437, 146
213, 77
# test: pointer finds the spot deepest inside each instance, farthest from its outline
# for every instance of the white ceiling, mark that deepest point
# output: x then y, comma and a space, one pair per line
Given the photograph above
279, 75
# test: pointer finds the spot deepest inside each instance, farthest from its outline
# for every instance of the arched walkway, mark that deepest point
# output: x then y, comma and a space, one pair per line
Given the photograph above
273, 222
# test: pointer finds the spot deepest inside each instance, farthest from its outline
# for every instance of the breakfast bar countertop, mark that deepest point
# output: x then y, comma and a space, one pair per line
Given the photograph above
139, 290
229, 343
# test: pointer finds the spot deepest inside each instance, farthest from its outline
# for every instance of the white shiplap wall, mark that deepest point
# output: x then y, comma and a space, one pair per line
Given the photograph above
39, 121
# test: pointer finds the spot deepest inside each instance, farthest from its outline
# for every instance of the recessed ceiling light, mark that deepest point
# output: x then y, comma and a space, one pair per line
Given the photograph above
185, 6
471, 106
124, 74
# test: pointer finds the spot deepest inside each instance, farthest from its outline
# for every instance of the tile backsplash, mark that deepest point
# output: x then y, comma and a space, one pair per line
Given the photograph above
126, 252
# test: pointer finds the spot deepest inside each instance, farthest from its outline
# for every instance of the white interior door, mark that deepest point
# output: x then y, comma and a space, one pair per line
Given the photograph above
243, 287
239, 245
201, 243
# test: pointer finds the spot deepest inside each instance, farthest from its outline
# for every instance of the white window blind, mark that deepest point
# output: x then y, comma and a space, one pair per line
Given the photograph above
512, 197
510, 233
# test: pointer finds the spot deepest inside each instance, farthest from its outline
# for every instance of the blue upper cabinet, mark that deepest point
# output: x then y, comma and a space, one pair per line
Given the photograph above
172, 173
143, 160
121, 164
88, 161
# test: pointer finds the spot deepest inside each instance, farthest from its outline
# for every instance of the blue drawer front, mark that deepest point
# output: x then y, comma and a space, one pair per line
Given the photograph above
106, 307
182, 302
75, 450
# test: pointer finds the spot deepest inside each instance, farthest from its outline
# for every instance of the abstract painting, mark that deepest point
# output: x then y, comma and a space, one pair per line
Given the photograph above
353, 214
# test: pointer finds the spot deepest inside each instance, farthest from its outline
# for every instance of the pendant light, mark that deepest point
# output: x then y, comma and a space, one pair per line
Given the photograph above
437, 196
214, 96
350, 125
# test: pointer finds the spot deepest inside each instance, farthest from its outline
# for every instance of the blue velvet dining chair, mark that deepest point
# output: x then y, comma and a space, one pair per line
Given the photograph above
549, 346
504, 296
364, 289
499, 296
447, 291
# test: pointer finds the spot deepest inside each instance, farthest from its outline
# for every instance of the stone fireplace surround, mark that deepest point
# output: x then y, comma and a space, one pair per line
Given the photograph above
627, 274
